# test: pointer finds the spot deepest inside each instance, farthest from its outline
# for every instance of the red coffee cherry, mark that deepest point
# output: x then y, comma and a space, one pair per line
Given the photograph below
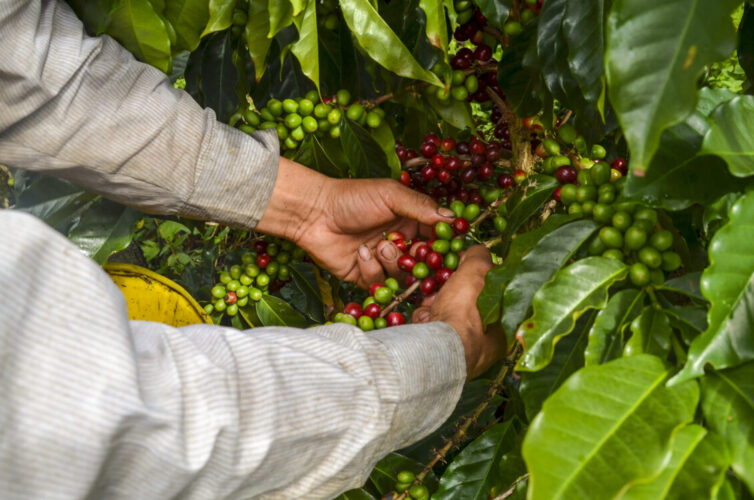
461, 225
353, 309
395, 319
428, 285
406, 263
373, 310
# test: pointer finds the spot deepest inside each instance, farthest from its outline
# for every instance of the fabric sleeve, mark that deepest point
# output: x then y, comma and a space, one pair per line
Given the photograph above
84, 109
95, 406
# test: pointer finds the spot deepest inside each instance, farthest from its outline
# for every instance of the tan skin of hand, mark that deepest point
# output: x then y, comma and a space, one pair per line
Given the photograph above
341, 223
455, 304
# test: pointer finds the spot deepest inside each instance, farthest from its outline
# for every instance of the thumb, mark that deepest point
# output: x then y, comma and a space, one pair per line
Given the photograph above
416, 206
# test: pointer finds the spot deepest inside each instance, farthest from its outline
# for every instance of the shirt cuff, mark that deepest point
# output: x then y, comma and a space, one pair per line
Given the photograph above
236, 176
430, 365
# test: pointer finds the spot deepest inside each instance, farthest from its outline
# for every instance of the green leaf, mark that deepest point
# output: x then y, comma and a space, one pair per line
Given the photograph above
568, 357
220, 76
650, 333
249, 314
55, 201
496, 11
728, 407
220, 16
306, 48
104, 229
606, 335
305, 280
558, 304
280, 16
473, 472
365, 155
731, 137
255, 33
583, 29
436, 27
746, 42
314, 154
383, 135
381, 43
677, 178
454, 112
136, 25
532, 197
539, 266
690, 320
728, 284
655, 51
189, 18
607, 427
697, 466
688, 284
169, 228
519, 74
384, 475
273, 311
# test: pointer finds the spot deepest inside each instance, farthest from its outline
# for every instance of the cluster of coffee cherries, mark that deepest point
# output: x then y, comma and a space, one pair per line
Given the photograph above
239, 17
294, 119
448, 170
631, 232
472, 21
327, 14
265, 269
405, 478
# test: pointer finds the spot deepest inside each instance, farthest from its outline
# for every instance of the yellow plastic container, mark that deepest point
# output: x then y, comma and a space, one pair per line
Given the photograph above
151, 297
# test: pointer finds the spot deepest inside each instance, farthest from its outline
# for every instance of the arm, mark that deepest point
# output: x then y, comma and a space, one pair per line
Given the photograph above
95, 406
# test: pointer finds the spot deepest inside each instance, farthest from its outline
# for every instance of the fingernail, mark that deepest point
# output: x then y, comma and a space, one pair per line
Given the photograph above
389, 252
423, 317
364, 253
445, 212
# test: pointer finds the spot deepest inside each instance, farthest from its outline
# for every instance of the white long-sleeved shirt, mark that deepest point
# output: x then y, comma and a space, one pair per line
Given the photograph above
95, 406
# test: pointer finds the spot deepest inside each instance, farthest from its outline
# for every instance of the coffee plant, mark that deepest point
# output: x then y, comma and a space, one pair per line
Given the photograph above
603, 150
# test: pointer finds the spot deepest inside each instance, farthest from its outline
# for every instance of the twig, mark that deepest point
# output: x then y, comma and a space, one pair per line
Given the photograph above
494, 241
461, 433
379, 100
499, 102
566, 117
400, 298
512, 489
414, 162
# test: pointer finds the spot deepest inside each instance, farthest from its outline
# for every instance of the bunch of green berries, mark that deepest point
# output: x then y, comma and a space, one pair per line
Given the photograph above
404, 482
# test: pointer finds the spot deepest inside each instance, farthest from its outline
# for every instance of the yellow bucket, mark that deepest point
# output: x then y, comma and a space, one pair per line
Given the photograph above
151, 297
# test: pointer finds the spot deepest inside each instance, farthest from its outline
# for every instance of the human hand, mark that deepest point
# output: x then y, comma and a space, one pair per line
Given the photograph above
341, 222
455, 304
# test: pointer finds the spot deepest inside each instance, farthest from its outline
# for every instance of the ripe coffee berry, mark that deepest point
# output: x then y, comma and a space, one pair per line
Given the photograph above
428, 286
620, 165
428, 149
438, 161
505, 181
461, 225
566, 174
263, 260
231, 298
405, 178
434, 260
421, 252
468, 175
486, 171
483, 53
433, 138
448, 144
374, 287
395, 235
453, 163
401, 244
428, 173
372, 310
353, 309
477, 147
519, 176
443, 176
395, 319
463, 148
406, 263
442, 275
260, 246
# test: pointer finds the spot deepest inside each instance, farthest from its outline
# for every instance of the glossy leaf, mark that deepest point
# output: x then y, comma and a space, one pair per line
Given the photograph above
436, 26
746, 42
365, 156
557, 305
273, 311
728, 284
688, 284
220, 76
356, 494
650, 334
280, 16
677, 177
608, 426
220, 16
519, 74
533, 196
655, 51
188, 18
255, 33
691, 320
583, 29
381, 43
104, 229
454, 112
306, 48
728, 406
606, 335
568, 357
473, 472
136, 25
55, 201
732, 136
697, 466
539, 266
305, 279
383, 135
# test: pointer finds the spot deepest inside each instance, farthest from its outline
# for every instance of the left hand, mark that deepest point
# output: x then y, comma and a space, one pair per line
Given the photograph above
341, 222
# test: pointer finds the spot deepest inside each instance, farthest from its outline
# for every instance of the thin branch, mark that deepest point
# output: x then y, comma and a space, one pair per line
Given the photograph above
512, 489
400, 298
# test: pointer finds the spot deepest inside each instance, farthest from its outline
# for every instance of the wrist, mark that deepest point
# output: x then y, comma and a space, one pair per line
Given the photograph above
298, 196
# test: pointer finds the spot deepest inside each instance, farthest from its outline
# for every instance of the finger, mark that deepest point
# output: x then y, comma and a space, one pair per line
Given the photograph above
387, 255
408, 203
421, 315
370, 269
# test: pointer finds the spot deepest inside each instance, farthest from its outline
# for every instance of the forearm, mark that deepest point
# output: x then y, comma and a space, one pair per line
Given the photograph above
96, 406
83, 109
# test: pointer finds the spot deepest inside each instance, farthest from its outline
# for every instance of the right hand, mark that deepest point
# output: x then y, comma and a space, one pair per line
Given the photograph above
455, 304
